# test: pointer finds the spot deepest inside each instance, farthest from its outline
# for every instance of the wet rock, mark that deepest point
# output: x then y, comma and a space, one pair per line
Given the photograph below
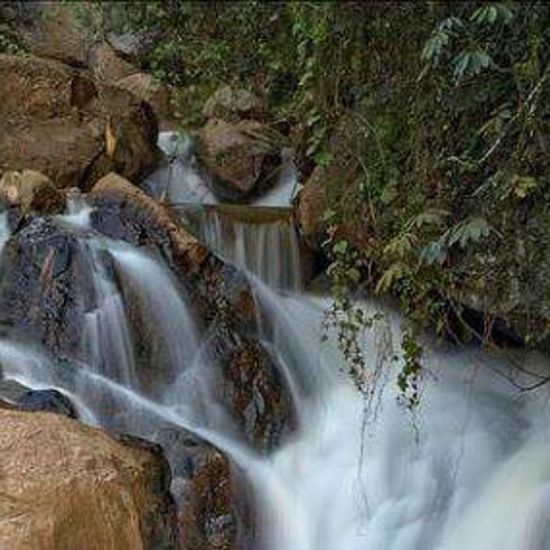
234, 104
47, 401
46, 287
56, 120
125, 212
66, 485
210, 513
252, 388
243, 159
32, 192
248, 384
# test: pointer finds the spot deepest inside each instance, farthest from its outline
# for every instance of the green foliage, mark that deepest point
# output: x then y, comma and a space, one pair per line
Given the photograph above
409, 379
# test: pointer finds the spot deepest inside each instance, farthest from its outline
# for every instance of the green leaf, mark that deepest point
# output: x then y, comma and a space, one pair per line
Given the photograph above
341, 247
434, 252
393, 274
469, 230
524, 185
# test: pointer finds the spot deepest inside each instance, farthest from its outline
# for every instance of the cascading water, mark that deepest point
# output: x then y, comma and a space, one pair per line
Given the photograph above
261, 237
475, 474
265, 244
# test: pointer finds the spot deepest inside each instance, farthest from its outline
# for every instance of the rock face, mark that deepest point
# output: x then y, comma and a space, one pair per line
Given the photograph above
66, 485
32, 191
56, 120
233, 104
242, 158
46, 287
210, 513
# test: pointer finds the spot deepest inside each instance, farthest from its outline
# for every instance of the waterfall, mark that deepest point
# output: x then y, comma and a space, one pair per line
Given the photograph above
261, 241
473, 473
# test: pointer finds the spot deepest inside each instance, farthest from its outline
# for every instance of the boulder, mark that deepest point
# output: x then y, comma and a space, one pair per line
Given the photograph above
252, 388
56, 120
66, 485
107, 66
46, 286
210, 513
315, 196
132, 45
234, 104
147, 88
55, 32
32, 192
242, 159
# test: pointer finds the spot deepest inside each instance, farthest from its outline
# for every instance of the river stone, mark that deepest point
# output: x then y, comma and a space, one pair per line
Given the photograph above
243, 159
32, 191
66, 485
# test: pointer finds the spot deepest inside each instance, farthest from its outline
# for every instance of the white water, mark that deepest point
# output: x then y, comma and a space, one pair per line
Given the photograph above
477, 478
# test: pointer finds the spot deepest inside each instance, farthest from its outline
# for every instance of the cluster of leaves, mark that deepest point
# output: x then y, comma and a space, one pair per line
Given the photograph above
346, 314
477, 38
452, 156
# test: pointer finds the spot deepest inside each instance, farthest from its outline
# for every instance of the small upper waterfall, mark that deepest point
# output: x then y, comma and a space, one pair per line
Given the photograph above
262, 241
259, 237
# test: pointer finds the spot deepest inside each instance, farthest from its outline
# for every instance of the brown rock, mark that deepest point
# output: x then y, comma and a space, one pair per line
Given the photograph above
116, 190
107, 66
233, 104
209, 515
65, 485
56, 120
32, 191
54, 31
314, 198
147, 88
242, 158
